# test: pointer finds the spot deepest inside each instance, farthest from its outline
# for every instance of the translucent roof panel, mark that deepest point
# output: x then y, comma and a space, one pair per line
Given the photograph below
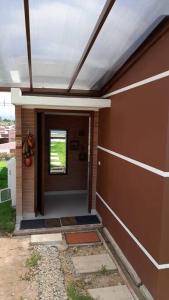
126, 27
60, 30
13, 48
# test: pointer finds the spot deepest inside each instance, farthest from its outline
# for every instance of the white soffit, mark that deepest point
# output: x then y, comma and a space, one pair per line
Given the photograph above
57, 102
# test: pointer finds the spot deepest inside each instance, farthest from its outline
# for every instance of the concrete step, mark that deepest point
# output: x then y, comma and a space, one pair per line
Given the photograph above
73, 228
93, 263
120, 292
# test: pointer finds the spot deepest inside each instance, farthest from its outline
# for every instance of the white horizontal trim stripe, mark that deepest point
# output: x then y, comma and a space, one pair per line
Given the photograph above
154, 262
135, 162
139, 83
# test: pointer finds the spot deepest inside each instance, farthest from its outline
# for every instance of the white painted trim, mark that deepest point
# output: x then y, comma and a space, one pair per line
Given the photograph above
139, 83
154, 262
135, 162
58, 102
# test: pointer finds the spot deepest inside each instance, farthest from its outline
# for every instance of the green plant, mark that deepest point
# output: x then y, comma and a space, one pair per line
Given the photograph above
3, 174
74, 294
103, 270
7, 217
60, 149
6, 156
32, 261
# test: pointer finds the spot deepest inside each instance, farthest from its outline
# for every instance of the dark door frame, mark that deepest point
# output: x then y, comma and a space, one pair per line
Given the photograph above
39, 163
39, 174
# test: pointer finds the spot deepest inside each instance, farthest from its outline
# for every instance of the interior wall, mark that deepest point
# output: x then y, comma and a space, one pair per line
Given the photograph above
77, 171
137, 127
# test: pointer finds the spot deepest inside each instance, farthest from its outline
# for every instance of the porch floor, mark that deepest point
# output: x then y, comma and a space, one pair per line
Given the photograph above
65, 205
59, 222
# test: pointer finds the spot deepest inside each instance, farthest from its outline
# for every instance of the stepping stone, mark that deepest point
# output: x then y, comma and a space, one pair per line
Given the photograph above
120, 292
52, 238
56, 163
89, 237
92, 263
54, 158
54, 154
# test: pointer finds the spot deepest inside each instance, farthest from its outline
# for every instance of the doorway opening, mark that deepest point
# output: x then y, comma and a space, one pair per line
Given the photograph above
63, 164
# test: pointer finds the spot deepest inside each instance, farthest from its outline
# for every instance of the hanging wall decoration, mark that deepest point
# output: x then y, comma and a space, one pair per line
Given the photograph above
27, 149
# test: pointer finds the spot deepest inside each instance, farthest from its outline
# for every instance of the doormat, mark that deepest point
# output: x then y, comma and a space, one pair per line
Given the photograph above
88, 237
80, 220
58, 222
68, 221
32, 224
90, 219
52, 223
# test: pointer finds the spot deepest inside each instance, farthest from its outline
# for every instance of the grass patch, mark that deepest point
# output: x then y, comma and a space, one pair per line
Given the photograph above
74, 294
32, 261
7, 217
3, 174
60, 149
104, 270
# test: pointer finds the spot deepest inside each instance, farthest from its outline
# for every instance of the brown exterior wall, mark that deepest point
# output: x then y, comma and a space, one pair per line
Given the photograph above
139, 115
76, 177
153, 62
136, 126
155, 280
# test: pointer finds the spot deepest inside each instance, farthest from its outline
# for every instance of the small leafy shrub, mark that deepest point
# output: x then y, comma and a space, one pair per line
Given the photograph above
104, 270
32, 261
7, 217
74, 294
6, 156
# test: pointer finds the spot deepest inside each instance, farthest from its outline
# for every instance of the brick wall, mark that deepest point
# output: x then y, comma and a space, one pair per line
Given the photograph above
28, 174
25, 177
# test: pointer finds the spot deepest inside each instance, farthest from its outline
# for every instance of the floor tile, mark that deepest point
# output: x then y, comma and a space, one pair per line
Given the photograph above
53, 238
82, 237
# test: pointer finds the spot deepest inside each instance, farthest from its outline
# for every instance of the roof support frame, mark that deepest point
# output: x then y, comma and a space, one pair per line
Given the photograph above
101, 20
58, 102
54, 92
28, 40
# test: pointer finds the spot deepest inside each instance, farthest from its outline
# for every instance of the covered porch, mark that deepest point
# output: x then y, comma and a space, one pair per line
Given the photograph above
90, 84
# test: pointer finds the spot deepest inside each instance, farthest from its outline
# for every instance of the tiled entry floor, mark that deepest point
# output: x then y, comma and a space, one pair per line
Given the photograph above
66, 205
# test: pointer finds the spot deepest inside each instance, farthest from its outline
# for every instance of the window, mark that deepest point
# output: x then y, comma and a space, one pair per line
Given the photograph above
58, 151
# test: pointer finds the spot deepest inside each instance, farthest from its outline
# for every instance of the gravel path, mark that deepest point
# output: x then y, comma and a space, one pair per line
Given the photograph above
49, 274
